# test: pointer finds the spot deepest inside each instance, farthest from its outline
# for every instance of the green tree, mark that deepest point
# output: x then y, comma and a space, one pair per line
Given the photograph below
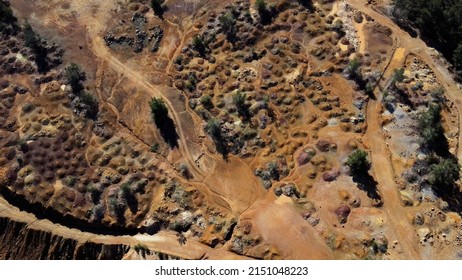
92, 104
30, 37
358, 163
457, 57
156, 6
431, 128
199, 45
265, 14
439, 22
159, 110
6, 14
445, 173
206, 101
34, 42
354, 69
228, 25
241, 106
74, 76
164, 123
398, 76
213, 128
126, 190
260, 5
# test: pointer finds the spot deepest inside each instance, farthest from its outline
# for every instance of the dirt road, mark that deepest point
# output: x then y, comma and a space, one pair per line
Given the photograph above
382, 166
419, 48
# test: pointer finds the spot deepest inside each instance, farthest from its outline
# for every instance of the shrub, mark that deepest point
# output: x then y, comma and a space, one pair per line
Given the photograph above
95, 193
28, 107
273, 169
70, 181
141, 248
154, 147
307, 4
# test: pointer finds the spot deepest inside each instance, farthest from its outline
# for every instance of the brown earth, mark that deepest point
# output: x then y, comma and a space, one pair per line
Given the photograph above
282, 190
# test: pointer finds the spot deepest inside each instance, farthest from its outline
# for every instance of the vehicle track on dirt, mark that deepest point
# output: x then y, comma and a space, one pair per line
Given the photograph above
101, 51
382, 165
419, 48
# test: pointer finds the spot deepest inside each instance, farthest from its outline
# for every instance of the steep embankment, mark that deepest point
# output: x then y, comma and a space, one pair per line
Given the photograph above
18, 240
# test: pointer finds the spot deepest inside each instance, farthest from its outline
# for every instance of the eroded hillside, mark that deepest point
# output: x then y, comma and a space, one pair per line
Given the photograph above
224, 130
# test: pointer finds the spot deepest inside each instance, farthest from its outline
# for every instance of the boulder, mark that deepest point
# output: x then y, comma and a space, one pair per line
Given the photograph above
342, 212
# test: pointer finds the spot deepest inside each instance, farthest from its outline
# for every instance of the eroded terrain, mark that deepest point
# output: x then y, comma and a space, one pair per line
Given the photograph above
251, 161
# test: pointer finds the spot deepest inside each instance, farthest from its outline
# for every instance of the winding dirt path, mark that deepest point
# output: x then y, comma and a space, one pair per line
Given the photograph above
101, 51
419, 48
384, 174
382, 166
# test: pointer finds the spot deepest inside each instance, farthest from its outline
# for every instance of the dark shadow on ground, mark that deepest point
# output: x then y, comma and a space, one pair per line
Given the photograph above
367, 183
168, 131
